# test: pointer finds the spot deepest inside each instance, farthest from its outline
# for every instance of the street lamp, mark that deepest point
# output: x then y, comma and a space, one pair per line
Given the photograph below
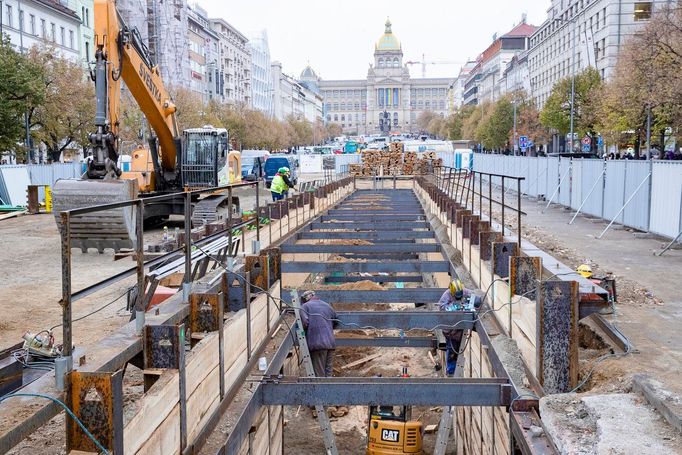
572, 20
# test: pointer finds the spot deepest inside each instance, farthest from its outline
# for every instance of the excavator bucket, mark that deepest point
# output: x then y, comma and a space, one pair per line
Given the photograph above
114, 228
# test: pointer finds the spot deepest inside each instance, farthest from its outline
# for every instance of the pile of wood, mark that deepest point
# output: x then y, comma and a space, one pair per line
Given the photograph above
395, 162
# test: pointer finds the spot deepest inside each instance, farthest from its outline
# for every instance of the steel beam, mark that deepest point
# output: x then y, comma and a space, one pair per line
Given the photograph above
388, 210
382, 391
383, 257
372, 217
370, 267
378, 248
535, 443
367, 235
374, 225
405, 320
242, 427
388, 342
408, 295
375, 278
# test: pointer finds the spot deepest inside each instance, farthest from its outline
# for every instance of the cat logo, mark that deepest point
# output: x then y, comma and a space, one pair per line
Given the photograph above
390, 435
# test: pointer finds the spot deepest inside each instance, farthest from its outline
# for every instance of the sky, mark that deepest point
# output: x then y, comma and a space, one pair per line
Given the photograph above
337, 37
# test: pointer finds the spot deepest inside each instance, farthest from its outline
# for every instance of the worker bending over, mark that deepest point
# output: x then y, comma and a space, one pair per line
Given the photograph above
319, 320
456, 298
281, 183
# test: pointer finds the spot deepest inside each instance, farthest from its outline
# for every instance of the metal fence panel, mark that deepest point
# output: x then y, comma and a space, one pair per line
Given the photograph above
563, 197
613, 189
552, 176
666, 199
345, 160
530, 185
447, 157
591, 170
47, 174
636, 214
576, 176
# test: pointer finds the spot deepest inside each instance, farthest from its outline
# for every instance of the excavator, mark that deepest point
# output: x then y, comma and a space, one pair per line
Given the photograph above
173, 162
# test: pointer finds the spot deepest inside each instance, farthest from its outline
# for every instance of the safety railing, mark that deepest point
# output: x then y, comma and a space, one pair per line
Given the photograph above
467, 187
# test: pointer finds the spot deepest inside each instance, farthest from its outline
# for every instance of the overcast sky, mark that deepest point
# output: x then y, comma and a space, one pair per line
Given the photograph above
337, 36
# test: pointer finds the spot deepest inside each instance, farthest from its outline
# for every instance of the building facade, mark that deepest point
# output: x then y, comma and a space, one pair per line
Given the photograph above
388, 99
456, 93
205, 76
293, 98
261, 76
235, 63
578, 34
35, 22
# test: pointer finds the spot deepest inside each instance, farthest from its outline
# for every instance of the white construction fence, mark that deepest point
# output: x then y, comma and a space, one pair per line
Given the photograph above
645, 195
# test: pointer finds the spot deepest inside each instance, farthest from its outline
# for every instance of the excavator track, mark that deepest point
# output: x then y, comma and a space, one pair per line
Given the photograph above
107, 229
213, 208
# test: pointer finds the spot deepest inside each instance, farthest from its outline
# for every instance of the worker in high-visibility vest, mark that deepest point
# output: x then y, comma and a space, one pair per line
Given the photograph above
280, 184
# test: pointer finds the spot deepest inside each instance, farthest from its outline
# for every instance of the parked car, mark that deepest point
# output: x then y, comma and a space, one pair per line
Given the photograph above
273, 164
253, 168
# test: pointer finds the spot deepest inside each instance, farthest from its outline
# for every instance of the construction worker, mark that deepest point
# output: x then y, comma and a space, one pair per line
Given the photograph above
456, 298
279, 187
319, 319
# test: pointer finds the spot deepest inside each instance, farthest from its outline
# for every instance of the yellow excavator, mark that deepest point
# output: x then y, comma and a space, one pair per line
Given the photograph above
392, 431
173, 161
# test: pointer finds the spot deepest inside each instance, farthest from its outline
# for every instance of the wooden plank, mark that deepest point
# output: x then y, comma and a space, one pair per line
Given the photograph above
202, 359
153, 409
166, 440
261, 438
201, 401
361, 361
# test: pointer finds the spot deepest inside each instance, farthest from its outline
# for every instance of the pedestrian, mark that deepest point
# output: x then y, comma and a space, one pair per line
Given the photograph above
456, 298
319, 319
287, 180
278, 186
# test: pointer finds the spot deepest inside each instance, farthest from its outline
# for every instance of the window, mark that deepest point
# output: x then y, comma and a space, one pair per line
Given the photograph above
9, 16
336, 106
642, 11
32, 24
329, 117
441, 105
87, 51
343, 106
396, 64
62, 36
380, 63
53, 31
43, 28
87, 17
21, 20
343, 117
336, 117
357, 106
427, 104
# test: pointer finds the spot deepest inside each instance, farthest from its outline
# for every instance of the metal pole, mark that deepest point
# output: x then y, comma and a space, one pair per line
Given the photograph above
490, 199
257, 212
515, 142
648, 132
573, 82
66, 288
139, 234
625, 205
588, 196
229, 221
518, 215
503, 228
188, 248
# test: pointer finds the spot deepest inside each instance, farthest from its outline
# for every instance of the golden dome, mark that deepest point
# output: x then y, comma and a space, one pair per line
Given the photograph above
388, 41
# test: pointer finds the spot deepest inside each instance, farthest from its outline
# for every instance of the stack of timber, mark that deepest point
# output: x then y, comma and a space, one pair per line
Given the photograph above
355, 169
376, 162
409, 163
396, 147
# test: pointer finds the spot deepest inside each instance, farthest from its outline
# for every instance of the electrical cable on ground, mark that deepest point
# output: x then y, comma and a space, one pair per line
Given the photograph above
68, 411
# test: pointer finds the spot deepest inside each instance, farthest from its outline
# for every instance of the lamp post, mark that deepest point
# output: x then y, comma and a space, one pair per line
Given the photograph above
572, 102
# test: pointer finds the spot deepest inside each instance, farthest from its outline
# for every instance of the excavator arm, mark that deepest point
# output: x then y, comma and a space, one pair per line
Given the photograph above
120, 55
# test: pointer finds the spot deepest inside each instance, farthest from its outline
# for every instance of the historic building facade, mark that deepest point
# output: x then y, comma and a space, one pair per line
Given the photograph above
388, 99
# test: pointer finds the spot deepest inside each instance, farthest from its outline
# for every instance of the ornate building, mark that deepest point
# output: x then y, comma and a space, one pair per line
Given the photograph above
388, 100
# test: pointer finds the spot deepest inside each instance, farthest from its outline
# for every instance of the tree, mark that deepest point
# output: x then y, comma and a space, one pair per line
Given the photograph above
557, 109
455, 122
494, 130
424, 119
527, 120
21, 89
334, 130
66, 115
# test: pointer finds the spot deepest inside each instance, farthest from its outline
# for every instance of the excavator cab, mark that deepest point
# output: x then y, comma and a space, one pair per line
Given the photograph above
392, 431
206, 160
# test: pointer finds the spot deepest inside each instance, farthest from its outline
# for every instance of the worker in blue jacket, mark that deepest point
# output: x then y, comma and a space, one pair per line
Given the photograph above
456, 298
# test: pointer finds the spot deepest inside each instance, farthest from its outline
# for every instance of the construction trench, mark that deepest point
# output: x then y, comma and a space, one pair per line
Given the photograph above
373, 248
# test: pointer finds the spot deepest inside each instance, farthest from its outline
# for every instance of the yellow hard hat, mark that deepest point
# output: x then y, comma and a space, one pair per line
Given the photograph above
585, 270
457, 289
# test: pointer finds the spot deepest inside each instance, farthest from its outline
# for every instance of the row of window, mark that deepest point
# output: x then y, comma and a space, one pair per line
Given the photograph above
414, 104
414, 93
44, 32
388, 62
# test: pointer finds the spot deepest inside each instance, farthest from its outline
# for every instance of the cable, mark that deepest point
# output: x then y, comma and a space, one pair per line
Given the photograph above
93, 312
68, 411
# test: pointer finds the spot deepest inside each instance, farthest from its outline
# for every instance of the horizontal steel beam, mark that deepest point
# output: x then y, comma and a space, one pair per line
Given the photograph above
379, 212
371, 267
387, 391
375, 278
378, 248
374, 225
372, 217
383, 257
405, 320
388, 342
407, 295
367, 235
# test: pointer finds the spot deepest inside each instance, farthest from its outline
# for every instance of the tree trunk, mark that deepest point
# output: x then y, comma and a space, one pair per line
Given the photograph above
54, 154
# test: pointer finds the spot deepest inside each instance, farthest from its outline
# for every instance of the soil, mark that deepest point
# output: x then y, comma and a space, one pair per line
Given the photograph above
364, 285
345, 242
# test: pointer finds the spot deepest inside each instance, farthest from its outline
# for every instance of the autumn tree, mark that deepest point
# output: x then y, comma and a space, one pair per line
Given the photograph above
66, 116
556, 113
21, 89
424, 119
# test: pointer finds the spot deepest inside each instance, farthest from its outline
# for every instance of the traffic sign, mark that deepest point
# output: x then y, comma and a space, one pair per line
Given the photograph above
586, 148
587, 140
523, 142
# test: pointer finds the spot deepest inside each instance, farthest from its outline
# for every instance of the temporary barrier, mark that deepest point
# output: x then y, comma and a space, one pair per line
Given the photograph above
645, 195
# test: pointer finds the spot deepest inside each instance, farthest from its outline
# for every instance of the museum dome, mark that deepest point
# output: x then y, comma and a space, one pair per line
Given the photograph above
388, 41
